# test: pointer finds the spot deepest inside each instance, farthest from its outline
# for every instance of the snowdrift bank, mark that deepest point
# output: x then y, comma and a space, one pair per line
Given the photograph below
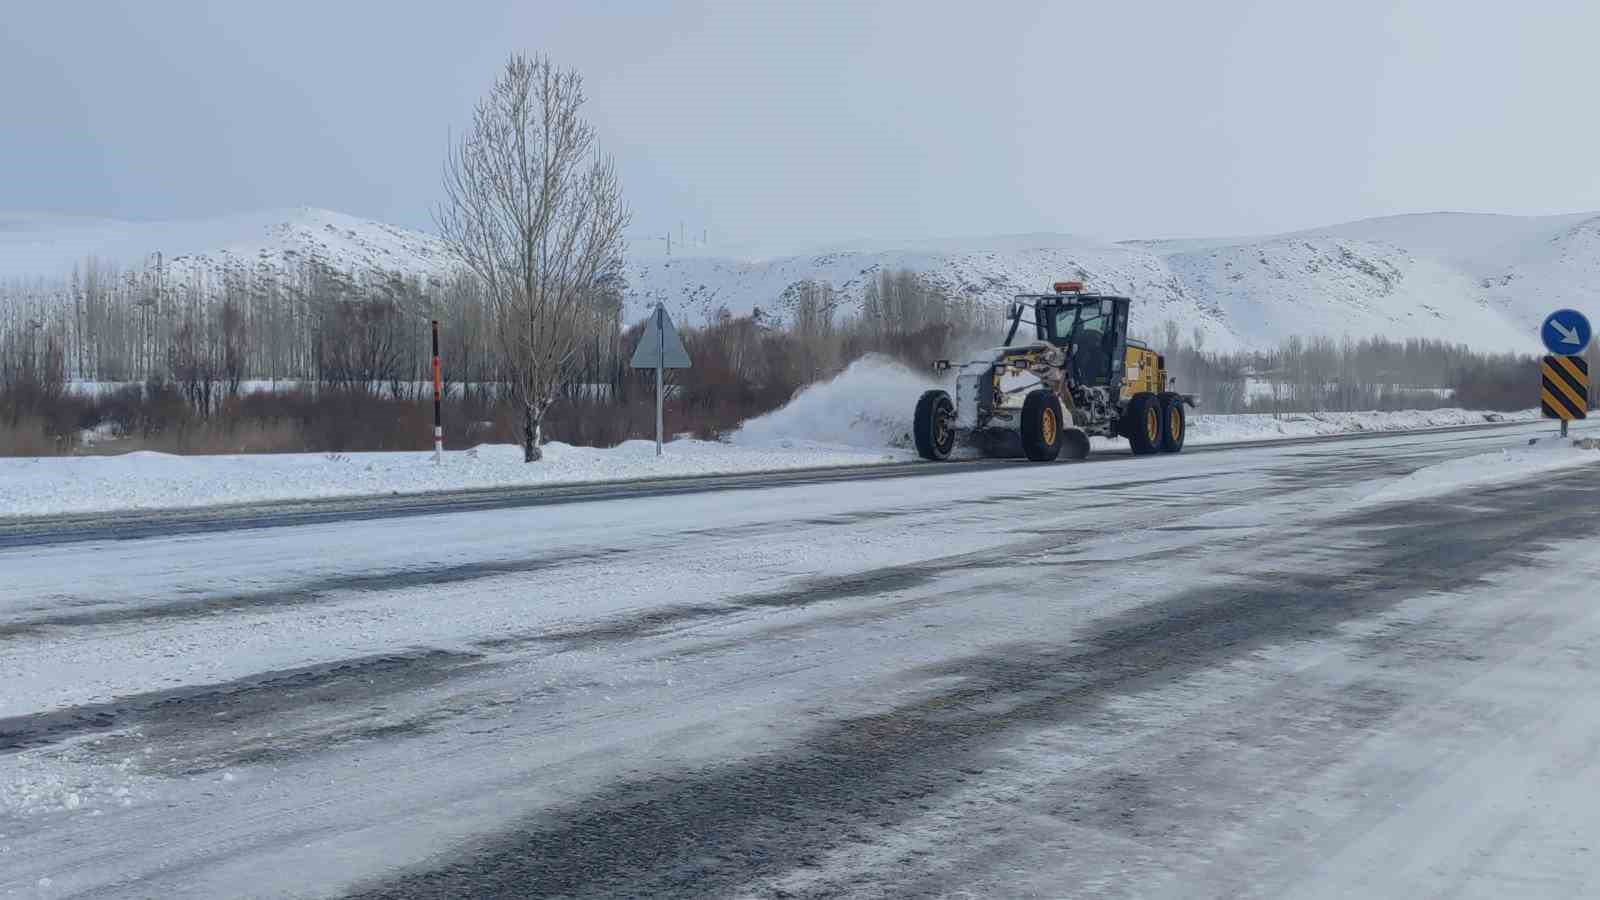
1512, 464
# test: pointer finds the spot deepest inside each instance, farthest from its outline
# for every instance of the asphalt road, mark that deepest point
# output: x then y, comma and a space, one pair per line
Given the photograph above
1232, 673
34, 530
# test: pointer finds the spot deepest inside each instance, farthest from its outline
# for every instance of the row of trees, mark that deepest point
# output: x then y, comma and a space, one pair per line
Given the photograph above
1323, 373
366, 333
365, 357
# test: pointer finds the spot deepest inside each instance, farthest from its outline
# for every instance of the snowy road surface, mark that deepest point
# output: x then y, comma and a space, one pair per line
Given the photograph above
1247, 672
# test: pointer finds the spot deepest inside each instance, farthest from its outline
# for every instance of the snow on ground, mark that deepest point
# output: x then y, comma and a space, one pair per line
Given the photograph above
1549, 455
41, 486
144, 480
1216, 429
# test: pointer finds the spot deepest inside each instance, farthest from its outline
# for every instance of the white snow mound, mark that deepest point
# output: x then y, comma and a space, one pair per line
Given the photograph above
868, 405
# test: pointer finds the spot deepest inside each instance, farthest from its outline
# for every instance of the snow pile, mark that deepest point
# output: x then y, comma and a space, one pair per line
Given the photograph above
869, 404
144, 480
1511, 464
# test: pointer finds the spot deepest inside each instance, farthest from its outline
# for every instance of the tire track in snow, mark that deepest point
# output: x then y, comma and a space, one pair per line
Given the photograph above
720, 828
356, 680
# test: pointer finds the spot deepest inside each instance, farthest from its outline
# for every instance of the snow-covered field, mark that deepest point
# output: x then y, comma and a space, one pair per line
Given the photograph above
862, 417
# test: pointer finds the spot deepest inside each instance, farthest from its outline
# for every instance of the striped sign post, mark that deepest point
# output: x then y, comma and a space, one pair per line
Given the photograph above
1564, 389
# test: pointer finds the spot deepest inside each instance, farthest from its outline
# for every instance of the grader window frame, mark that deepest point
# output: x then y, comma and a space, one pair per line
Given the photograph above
1049, 311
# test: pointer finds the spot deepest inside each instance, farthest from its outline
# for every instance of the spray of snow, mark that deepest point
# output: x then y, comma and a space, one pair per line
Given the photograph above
867, 405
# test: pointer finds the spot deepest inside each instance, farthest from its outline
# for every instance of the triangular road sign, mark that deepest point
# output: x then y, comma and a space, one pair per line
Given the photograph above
660, 345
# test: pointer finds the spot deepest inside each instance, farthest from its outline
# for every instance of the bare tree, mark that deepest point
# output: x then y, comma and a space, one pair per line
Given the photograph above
536, 213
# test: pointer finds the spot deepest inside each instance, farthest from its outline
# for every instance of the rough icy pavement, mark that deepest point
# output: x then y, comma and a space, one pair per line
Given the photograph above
1229, 675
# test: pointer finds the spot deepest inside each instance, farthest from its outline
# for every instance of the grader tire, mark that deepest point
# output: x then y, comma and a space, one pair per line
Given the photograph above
933, 427
1174, 424
1041, 427
1141, 424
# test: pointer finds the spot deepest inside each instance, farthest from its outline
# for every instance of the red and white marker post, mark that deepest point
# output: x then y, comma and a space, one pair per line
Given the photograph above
438, 426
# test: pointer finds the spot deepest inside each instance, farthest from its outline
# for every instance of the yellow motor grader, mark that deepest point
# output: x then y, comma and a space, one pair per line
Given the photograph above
1079, 375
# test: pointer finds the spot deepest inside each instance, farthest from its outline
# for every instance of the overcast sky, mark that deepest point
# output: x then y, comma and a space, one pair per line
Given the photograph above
800, 123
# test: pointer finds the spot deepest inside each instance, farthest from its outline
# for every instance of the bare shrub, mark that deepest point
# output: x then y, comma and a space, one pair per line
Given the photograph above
28, 436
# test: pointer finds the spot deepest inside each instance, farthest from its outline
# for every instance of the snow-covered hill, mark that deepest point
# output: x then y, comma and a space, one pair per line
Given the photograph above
988, 269
1484, 280
48, 246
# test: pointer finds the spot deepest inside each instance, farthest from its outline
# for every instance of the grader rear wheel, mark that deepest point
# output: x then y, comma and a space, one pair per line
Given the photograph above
1174, 425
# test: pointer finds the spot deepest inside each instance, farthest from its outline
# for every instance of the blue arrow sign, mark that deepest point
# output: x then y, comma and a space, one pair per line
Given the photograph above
1565, 332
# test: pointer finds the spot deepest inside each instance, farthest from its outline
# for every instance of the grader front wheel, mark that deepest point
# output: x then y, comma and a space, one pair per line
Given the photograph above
933, 426
1042, 427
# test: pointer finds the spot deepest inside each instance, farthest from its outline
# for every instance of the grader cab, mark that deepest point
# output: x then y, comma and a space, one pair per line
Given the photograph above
1078, 375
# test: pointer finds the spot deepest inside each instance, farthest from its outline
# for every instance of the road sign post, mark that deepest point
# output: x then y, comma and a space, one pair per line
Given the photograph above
660, 348
1564, 374
1564, 389
1565, 332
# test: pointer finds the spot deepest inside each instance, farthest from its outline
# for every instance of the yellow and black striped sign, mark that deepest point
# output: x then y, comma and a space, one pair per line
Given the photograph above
1564, 393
